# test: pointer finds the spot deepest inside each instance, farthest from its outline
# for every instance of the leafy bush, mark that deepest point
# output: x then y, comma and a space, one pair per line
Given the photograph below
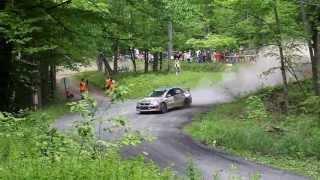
311, 105
31, 149
255, 109
272, 140
192, 172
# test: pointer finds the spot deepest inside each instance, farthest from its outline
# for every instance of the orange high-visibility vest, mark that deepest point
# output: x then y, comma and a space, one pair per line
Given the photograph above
109, 83
83, 87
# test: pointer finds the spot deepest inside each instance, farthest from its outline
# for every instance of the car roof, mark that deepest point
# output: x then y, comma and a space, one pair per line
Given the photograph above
165, 88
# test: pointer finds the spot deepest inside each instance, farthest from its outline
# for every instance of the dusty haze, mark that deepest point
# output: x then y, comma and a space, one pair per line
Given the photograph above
247, 78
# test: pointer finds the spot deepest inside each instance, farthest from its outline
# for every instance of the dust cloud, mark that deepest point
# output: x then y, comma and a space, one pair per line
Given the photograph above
246, 79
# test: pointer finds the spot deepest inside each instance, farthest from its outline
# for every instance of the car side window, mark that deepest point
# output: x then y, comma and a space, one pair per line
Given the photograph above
178, 91
171, 92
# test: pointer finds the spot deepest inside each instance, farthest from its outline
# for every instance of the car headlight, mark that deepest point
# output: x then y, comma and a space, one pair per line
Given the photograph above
154, 103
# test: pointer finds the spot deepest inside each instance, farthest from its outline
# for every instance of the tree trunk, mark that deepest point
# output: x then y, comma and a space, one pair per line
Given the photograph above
115, 57
5, 78
52, 73
133, 59
146, 61
37, 83
155, 62
2, 4
284, 79
161, 60
5, 66
316, 62
170, 44
282, 59
99, 64
313, 46
44, 82
107, 68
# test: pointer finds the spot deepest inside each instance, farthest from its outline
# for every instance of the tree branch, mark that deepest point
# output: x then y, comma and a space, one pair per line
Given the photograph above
58, 5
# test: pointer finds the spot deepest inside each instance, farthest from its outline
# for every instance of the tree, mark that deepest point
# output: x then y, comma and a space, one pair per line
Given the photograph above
311, 22
282, 58
5, 67
217, 42
37, 36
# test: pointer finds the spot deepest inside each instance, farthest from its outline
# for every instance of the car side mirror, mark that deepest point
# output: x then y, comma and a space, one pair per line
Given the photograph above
168, 95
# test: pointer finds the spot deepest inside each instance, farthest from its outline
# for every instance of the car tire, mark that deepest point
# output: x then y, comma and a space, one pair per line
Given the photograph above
187, 102
163, 108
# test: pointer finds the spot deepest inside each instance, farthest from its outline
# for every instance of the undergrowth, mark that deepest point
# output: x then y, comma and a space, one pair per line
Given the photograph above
32, 149
255, 127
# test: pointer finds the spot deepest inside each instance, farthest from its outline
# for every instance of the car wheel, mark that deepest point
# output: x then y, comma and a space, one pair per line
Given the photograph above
187, 103
163, 108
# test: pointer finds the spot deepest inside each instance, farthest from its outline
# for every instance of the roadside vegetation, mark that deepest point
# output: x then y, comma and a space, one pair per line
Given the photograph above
277, 126
255, 128
32, 149
141, 84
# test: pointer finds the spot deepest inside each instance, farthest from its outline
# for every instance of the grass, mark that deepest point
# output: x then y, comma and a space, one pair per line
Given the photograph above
141, 84
203, 67
186, 66
286, 141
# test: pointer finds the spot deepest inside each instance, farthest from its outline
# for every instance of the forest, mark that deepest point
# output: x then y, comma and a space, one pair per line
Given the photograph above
41, 38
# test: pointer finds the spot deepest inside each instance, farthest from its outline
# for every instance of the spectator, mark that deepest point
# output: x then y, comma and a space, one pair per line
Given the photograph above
110, 84
177, 66
83, 88
187, 56
218, 56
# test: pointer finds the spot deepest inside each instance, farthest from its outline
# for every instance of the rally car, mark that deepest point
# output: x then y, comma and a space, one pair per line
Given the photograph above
162, 100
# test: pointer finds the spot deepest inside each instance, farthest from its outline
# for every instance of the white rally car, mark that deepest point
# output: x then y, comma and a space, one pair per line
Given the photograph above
162, 100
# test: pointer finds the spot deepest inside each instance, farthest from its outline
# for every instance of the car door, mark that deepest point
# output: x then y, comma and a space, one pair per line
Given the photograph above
178, 97
170, 99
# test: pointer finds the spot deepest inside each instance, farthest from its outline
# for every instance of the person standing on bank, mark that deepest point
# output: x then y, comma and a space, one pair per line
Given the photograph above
83, 88
177, 66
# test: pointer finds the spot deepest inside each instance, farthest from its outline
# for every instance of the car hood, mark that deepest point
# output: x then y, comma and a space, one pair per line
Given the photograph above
151, 100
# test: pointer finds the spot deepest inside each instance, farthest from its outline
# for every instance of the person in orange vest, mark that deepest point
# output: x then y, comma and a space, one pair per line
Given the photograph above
83, 88
110, 83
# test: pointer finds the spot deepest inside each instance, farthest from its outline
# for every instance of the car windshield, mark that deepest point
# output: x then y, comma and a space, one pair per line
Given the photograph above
157, 93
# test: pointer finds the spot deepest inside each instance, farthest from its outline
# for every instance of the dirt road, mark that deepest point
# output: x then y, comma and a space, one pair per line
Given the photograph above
172, 147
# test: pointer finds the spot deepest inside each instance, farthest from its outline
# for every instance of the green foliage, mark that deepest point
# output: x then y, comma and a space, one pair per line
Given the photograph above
31, 149
86, 107
311, 105
98, 6
255, 109
289, 142
217, 42
86, 126
118, 93
19, 32
192, 172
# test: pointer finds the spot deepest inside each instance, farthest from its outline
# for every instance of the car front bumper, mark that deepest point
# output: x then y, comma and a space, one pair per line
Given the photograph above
150, 108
